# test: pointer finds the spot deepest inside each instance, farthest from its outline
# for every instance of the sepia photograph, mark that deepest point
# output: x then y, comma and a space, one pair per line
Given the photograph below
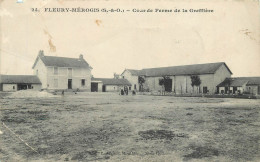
132, 80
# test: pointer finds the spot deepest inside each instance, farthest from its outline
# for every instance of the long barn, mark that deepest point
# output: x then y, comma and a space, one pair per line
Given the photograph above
210, 74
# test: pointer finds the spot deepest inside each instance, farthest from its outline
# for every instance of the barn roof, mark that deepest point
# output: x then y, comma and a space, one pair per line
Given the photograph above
252, 80
232, 82
195, 69
19, 79
112, 81
134, 72
240, 81
62, 61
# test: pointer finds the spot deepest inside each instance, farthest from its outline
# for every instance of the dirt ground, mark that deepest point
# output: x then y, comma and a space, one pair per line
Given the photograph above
108, 127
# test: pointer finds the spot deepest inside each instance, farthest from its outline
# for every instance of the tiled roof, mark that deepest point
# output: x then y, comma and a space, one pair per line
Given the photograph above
251, 80
112, 81
196, 69
16, 79
135, 72
240, 81
232, 82
62, 61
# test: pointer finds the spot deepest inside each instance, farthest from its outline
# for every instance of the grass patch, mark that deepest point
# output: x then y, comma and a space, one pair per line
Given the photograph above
160, 134
200, 152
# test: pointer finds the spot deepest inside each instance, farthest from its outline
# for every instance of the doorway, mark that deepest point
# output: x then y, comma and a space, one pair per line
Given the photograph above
205, 89
23, 86
94, 87
168, 85
103, 88
226, 90
69, 83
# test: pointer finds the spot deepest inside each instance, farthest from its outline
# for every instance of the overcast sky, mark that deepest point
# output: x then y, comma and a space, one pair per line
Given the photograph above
111, 42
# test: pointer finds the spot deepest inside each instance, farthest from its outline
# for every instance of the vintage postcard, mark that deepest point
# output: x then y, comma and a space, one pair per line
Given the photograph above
133, 80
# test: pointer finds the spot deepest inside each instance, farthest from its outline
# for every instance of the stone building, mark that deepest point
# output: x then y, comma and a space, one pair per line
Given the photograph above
59, 73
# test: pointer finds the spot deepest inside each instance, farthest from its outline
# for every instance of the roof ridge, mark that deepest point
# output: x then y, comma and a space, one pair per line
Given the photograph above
62, 57
184, 65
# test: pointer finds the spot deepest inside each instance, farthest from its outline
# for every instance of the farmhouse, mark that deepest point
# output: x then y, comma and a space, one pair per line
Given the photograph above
179, 82
19, 82
239, 85
61, 73
108, 84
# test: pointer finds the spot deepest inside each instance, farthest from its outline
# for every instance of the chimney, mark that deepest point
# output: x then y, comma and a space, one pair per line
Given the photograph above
116, 76
41, 53
81, 57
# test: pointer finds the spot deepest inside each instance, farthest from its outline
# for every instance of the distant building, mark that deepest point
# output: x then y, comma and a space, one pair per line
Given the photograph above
250, 85
210, 74
19, 82
132, 76
109, 84
62, 72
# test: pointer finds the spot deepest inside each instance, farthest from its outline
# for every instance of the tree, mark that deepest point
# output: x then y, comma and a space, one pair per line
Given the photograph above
195, 81
163, 82
228, 82
141, 81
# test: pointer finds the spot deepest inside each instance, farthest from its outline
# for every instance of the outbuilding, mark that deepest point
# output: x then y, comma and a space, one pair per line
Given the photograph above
109, 84
239, 85
19, 82
179, 77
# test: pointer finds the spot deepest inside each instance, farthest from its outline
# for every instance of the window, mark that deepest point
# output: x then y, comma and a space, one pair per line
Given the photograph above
55, 72
32, 87
70, 72
55, 82
129, 88
13, 87
135, 86
82, 82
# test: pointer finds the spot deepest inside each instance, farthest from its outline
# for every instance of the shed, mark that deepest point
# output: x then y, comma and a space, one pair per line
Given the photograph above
108, 84
19, 82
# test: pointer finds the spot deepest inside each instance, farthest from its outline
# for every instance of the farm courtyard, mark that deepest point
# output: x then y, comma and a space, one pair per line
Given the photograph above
109, 127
